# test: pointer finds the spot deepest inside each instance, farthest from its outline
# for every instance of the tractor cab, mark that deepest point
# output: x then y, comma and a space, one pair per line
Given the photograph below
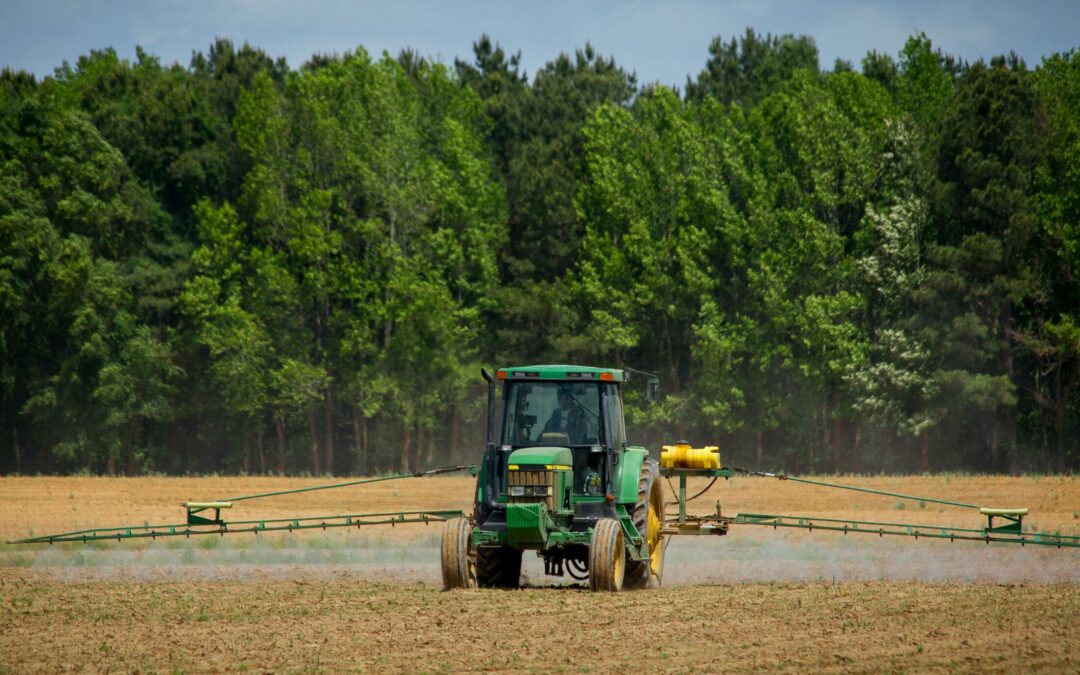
556, 407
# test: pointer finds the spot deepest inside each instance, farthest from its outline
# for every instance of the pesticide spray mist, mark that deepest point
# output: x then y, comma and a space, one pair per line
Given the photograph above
745, 556
376, 557
768, 555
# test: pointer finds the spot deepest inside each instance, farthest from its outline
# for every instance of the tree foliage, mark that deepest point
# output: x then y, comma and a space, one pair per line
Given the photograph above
241, 266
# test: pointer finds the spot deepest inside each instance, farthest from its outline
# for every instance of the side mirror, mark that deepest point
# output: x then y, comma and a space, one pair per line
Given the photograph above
652, 389
652, 383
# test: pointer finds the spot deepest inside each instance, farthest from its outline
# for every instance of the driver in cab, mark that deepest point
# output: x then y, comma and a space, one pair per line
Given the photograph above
568, 419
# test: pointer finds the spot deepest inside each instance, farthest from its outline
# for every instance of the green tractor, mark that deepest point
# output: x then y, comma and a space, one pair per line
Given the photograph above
563, 481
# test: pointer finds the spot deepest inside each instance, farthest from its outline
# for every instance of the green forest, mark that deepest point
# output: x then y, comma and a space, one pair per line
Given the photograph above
239, 266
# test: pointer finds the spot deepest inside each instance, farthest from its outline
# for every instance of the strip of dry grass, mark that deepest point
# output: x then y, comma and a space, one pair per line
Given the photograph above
53, 504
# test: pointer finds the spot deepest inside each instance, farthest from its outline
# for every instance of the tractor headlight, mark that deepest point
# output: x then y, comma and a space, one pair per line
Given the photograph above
517, 491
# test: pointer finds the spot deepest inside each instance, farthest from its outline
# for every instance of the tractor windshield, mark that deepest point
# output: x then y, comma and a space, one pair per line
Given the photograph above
552, 413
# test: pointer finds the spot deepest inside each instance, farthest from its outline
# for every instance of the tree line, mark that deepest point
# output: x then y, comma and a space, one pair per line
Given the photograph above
238, 266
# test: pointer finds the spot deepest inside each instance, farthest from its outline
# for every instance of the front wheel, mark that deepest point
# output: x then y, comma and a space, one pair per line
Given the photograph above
607, 556
458, 567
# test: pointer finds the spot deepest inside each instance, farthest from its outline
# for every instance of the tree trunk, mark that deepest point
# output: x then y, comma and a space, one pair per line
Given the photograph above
366, 442
376, 438
315, 468
1044, 439
757, 450
279, 422
129, 452
405, 438
1059, 420
1007, 435
262, 451
837, 429
247, 452
826, 441
924, 460
418, 450
855, 449
673, 365
18, 452
358, 446
455, 432
993, 441
330, 430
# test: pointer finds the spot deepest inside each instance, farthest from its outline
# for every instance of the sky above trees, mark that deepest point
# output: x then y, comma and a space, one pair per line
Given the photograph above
662, 42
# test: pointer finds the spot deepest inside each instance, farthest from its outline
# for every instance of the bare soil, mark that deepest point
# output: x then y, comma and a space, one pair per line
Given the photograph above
371, 601
346, 624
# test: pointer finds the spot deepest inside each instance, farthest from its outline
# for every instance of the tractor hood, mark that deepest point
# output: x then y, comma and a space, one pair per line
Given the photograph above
541, 457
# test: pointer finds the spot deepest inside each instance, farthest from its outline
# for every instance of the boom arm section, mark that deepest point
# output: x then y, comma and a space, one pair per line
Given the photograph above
199, 523
238, 526
1011, 531
1004, 526
988, 534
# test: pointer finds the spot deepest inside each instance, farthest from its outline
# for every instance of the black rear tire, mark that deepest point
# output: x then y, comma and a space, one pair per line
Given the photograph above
640, 573
498, 567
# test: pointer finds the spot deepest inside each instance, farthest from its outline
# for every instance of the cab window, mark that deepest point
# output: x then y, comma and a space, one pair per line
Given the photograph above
552, 413
616, 424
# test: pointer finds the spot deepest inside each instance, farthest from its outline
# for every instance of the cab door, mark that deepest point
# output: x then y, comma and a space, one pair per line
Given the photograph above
614, 424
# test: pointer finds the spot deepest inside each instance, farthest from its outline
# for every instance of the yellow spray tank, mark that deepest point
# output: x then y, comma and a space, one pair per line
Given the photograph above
682, 456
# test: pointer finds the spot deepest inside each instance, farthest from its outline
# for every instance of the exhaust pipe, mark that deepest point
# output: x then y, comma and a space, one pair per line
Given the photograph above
490, 491
490, 407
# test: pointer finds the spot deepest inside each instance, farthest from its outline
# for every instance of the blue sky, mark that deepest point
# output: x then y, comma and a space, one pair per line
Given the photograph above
661, 41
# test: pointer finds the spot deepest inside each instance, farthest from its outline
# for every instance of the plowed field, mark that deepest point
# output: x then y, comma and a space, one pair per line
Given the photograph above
370, 600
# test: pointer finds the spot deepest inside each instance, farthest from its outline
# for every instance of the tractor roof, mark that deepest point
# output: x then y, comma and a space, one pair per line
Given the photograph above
556, 372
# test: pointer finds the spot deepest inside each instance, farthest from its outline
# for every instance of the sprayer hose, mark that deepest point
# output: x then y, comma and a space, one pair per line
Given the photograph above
689, 499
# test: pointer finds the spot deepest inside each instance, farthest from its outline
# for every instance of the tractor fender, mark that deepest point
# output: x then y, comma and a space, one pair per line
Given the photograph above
626, 474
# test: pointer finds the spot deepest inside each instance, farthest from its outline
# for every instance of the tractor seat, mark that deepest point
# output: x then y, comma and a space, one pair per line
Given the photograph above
555, 438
